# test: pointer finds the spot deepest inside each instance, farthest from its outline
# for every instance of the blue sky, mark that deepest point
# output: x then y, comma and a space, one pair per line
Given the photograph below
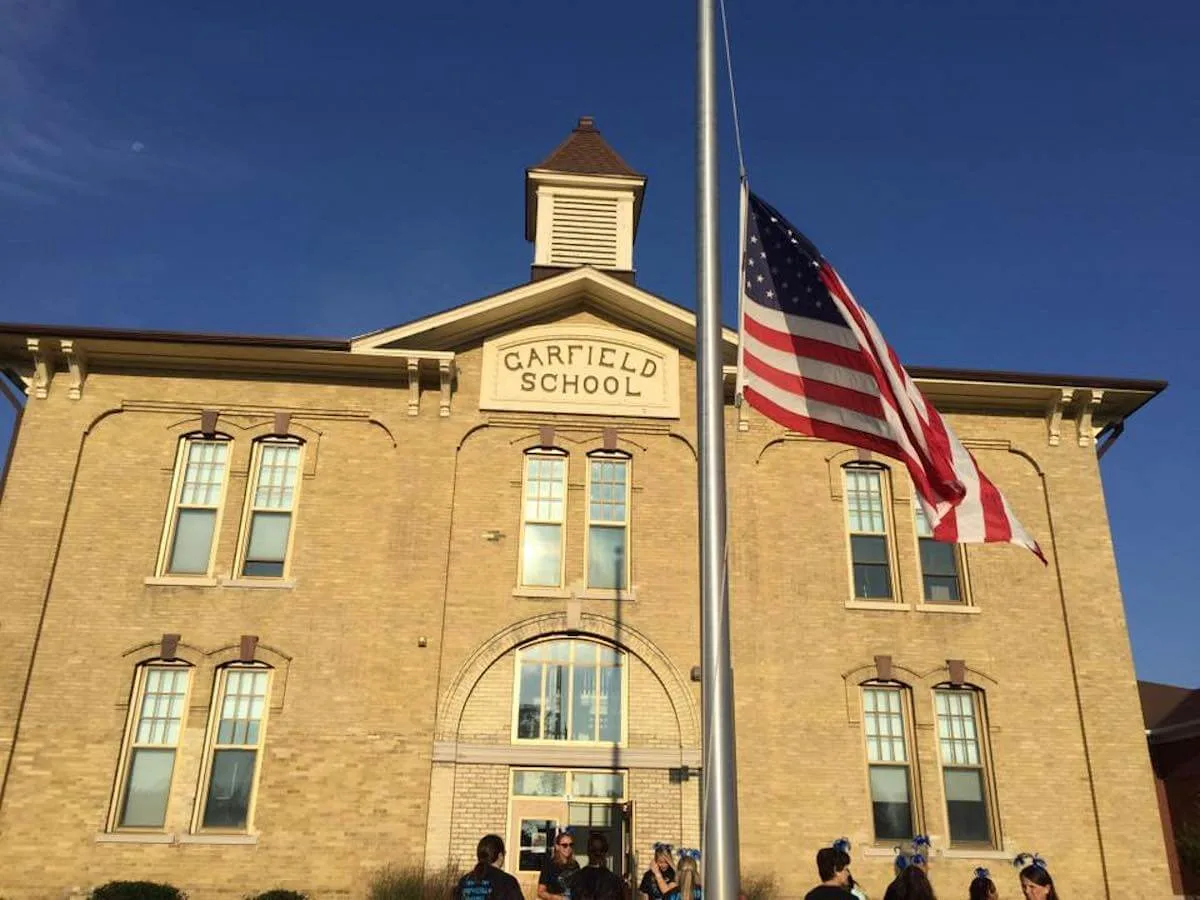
1010, 187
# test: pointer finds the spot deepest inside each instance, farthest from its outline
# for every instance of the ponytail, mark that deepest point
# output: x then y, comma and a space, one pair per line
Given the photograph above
489, 849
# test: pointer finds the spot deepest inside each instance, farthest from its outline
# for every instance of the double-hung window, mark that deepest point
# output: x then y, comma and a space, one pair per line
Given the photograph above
964, 765
940, 575
608, 522
270, 508
201, 471
889, 769
867, 520
542, 516
156, 719
234, 753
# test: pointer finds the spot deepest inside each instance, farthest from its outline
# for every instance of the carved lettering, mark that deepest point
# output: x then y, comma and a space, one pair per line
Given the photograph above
528, 381
606, 357
535, 357
625, 367
554, 354
510, 358
571, 348
591, 384
649, 368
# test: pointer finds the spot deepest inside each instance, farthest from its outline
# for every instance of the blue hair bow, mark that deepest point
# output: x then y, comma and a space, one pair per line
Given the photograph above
663, 848
689, 852
1028, 859
981, 872
842, 844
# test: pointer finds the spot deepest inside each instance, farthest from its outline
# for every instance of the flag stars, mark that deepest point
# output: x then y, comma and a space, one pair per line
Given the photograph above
770, 294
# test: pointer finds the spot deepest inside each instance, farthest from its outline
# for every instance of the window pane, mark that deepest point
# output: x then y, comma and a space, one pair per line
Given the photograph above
869, 550
149, 782
204, 473
606, 557
529, 709
193, 542
583, 704
554, 718
229, 789
610, 704
542, 556
536, 835
277, 476
966, 806
864, 500
939, 566
884, 725
941, 590
872, 582
891, 806
607, 785
540, 784
268, 543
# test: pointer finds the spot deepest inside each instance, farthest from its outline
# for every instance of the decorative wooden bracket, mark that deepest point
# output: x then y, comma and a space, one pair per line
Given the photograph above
76, 365
414, 386
1054, 413
42, 370
1088, 401
446, 370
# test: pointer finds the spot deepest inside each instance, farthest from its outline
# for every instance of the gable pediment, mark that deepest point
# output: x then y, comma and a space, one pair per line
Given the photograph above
543, 302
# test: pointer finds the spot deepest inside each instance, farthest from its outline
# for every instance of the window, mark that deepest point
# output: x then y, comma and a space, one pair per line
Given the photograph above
888, 766
270, 505
236, 735
542, 519
156, 718
963, 765
570, 691
608, 522
195, 505
867, 519
939, 565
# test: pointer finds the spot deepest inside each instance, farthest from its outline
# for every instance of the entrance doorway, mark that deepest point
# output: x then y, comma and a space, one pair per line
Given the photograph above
548, 801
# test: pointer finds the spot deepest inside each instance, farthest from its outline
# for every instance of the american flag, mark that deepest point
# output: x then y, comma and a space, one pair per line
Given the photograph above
812, 360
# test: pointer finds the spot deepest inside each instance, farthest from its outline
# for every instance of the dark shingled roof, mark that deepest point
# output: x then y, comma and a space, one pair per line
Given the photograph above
585, 152
1167, 705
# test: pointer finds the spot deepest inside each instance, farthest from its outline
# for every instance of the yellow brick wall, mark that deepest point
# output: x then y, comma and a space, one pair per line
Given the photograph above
390, 548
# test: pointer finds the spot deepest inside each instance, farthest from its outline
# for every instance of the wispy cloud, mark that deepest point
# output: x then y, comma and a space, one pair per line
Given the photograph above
48, 147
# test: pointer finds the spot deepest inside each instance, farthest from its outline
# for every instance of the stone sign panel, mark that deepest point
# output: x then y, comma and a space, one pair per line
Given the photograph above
581, 368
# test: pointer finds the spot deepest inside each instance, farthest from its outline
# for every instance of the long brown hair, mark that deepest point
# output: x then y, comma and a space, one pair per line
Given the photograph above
1041, 877
489, 849
688, 874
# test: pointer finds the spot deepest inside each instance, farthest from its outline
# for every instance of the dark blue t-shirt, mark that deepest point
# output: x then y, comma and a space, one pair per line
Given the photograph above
491, 884
649, 885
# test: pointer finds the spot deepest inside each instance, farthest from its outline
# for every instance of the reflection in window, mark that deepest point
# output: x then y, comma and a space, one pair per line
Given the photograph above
569, 691
608, 522
939, 565
271, 503
199, 488
154, 741
235, 747
542, 519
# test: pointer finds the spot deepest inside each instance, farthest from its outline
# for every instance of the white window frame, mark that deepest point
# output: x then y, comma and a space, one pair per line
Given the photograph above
544, 453
888, 533
250, 509
212, 745
603, 456
130, 743
960, 563
909, 764
984, 766
568, 693
175, 505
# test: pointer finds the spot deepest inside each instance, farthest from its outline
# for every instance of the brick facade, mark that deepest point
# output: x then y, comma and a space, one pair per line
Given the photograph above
392, 642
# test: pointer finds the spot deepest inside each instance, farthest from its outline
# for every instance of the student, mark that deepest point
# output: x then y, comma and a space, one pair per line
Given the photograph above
596, 881
689, 875
487, 881
1036, 883
982, 886
555, 881
833, 868
911, 884
659, 881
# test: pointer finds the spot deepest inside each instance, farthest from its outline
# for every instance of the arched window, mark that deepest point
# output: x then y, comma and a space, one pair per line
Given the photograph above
570, 690
867, 518
543, 511
887, 725
156, 717
267, 522
197, 495
233, 754
608, 521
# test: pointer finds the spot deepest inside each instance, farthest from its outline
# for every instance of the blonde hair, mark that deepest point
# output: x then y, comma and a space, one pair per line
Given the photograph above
688, 875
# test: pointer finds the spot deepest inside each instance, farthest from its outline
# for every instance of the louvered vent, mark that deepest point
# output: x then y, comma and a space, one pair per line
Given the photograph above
584, 231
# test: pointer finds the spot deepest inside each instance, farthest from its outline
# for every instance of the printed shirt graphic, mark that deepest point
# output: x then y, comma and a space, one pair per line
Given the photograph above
557, 877
493, 884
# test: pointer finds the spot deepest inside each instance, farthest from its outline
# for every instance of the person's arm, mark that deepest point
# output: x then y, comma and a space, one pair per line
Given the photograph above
664, 886
543, 889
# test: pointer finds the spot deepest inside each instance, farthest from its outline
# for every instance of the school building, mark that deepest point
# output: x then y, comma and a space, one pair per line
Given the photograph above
276, 612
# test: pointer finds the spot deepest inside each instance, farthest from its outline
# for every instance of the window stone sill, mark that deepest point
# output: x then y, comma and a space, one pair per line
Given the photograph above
134, 837
981, 853
960, 608
605, 594
180, 581
271, 584
223, 839
879, 605
542, 593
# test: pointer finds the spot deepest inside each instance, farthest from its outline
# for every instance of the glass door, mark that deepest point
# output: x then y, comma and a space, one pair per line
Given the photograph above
534, 825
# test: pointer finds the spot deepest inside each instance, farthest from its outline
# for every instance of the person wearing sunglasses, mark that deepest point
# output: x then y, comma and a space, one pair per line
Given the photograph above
555, 881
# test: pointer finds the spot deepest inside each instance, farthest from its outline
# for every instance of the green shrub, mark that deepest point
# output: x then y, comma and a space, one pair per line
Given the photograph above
279, 894
136, 890
760, 887
412, 883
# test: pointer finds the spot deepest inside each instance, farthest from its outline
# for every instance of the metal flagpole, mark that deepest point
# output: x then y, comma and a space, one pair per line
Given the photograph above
720, 829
